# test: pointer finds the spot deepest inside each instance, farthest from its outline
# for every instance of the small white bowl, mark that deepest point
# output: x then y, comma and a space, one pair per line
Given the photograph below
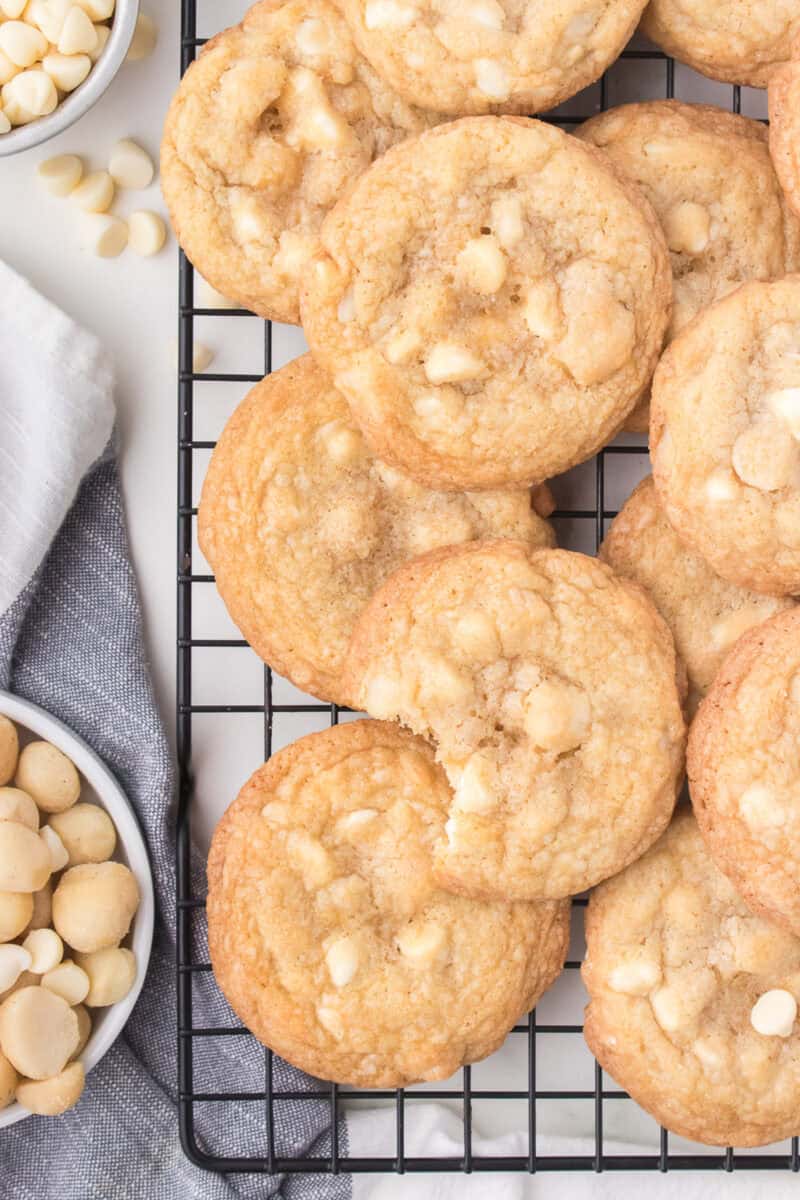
100, 786
73, 106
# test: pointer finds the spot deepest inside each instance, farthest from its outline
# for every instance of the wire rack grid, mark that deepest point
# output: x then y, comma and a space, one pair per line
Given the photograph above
529, 1101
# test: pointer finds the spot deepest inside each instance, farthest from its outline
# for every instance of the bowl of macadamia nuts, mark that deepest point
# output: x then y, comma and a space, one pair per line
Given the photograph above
76, 912
57, 58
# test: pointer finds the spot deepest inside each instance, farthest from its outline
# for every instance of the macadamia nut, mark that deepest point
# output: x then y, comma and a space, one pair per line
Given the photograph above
49, 776
69, 981
58, 854
9, 749
24, 858
87, 833
84, 1028
49, 1097
24, 1017
94, 904
14, 960
111, 975
16, 910
8, 1081
16, 805
145, 37
46, 950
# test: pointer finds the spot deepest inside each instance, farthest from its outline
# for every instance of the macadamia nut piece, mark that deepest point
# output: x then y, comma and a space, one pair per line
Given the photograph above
49, 776
8, 1081
24, 1017
24, 858
49, 1097
84, 1028
14, 960
26, 979
87, 832
94, 904
16, 805
69, 981
9, 749
46, 950
111, 975
16, 910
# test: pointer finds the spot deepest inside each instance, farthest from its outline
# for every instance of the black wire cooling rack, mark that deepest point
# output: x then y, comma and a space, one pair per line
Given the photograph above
529, 1091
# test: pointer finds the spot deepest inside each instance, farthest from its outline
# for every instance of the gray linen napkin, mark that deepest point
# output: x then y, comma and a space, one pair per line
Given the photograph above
72, 643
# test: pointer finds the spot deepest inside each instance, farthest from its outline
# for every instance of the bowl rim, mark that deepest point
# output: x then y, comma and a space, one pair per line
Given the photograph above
77, 103
41, 723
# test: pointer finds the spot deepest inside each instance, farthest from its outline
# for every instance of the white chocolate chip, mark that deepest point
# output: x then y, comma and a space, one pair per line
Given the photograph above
103, 34
104, 235
95, 193
207, 296
346, 311
688, 228
439, 408
311, 37
721, 486
146, 233
46, 950
709, 1051
506, 221
130, 166
401, 346
310, 858
144, 40
13, 961
482, 265
48, 16
389, 14
636, 977
56, 848
761, 809
442, 684
542, 309
476, 632
7, 70
23, 44
487, 13
341, 958
422, 944
601, 331
729, 629
67, 980
67, 71
354, 822
765, 456
448, 362
310, 120
5, 124
557, 716
343, 445
492, 79
786, 405
29, 95
11, 9
97, 10
774, 1013
382, 698
78, 34
248, 223
477, 789
667, 1008
202, 356
330, 1019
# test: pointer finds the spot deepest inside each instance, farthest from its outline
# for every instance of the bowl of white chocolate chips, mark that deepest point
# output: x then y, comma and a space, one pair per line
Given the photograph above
76, 912
57, 57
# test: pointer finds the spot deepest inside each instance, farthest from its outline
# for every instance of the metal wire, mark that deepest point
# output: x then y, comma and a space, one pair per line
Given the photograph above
190, 907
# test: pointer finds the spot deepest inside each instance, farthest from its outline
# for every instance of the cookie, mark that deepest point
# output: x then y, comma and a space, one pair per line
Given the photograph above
710, 179
267, 129
491, 300
341, 952
705, 613
484, 56
725, 433
734, 41
301, 524
784, 126
549, 688
693, 999
744, 771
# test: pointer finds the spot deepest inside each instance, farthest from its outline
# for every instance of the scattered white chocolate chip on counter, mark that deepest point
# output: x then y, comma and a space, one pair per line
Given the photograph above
146, 233
130, 166
60, 175
774, 1013
104, 235
53, 1096
206, 296
341, 958
95, 194
145, 38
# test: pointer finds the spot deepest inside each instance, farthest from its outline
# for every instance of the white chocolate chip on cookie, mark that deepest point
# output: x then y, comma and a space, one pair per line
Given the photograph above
542, 309
482, 265
341, 958
147, 233
78, 34
635, 977
506, 220
448, 362
389, 14
311, 859
688, 228
95, 193
786, 405
557, 716
721, 486
760, 807
130, 166
492, 79
774, 1013
422, 944
765, 456
477, 789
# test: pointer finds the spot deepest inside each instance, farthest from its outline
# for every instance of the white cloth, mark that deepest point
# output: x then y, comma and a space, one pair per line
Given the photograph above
56, 418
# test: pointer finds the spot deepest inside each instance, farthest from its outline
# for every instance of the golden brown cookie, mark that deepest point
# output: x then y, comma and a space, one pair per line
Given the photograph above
491, 299
301, 524
744, 769
481, 56
725, 436
549, 688
269, 126
709, 177
705, 613
784, 125
329, 935
693, 999
736, 41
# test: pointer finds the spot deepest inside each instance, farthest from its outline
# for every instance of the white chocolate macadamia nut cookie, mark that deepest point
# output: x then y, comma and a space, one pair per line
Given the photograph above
94, 904
549, 688
301, 524
744, 773
784, 126
709, 177
342, 953
491, 300
272, 122
480, 56
735, 41
706, 614
725, 436
693, 998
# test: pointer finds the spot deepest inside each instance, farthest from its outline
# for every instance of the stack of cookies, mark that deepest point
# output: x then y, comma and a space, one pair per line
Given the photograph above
488, 302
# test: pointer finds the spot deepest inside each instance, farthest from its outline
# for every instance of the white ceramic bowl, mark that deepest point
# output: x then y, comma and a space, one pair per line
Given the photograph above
73, 106
100, 786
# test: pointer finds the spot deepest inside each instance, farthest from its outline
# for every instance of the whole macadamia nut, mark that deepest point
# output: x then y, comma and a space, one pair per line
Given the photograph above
26, 979
49, 1097
49, 776
84, 1028
16, 910
94, 904
9, 749
8, 1082
69, 981
24, 858
38, 1032
87, 832
111, 974
16, 805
